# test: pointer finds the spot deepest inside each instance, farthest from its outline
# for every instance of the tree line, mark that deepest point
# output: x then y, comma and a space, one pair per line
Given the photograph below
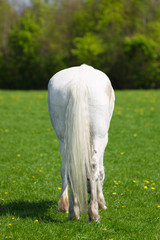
119, 37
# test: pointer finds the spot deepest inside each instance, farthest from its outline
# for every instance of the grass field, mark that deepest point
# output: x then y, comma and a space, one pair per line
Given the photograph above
30, 164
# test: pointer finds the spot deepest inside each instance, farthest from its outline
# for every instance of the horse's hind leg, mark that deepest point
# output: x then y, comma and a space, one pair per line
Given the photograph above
73, 206
63, 203
97, 178
101, 200
93, 207
100, 196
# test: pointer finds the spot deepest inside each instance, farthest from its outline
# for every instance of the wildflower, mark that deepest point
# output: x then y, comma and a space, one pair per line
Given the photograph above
6, 130
13, 218
36, 220
67, 229
122, 153
134, 181
10, 224
59, 188
6, 192
146, 181
153, 188
124, 206
8, 237
104, 229
153, 183
145, 187
33, 176
114, 193
158, 206
135, 134
18, 155
2, 199
122, 194
40, 170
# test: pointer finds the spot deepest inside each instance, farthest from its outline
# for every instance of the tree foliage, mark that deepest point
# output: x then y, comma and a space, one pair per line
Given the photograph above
120, 37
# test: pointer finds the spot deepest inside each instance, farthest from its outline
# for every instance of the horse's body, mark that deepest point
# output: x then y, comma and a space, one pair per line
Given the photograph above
81, 103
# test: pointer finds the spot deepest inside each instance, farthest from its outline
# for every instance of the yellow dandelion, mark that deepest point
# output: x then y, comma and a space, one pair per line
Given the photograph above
6, 130
33, 176
67, 229
134, 181
104, 229
36, 220
119, 181
6, 192
13, 167
122, 153
145, 187
115, 186
2, 199
40, 170
18, 155
122, 194
158, 206
153, 183
8, 237
146, 181
115, 181
10, 224
111, 239
114, 193
124, 206
13, 218
135, 134
59, 188
153, 188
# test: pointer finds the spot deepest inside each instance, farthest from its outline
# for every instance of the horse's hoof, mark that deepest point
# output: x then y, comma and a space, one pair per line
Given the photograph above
96, 219
105, 207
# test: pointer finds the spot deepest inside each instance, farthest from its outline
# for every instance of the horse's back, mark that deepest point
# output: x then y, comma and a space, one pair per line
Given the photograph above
100, 97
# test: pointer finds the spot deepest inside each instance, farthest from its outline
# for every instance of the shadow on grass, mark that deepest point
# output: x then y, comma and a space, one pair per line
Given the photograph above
34, 210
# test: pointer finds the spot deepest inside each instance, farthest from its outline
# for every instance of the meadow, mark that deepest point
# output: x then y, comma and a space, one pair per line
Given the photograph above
30, 162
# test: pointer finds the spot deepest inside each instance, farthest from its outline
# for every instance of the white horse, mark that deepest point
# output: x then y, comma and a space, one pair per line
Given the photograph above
81, 102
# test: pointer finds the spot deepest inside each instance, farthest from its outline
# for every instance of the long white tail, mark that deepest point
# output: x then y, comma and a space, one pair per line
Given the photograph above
77, 141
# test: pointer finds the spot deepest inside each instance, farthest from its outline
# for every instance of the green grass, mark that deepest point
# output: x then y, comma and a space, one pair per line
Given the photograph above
30, 171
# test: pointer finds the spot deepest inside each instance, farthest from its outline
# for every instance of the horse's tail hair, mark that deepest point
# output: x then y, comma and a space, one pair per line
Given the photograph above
77, 141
